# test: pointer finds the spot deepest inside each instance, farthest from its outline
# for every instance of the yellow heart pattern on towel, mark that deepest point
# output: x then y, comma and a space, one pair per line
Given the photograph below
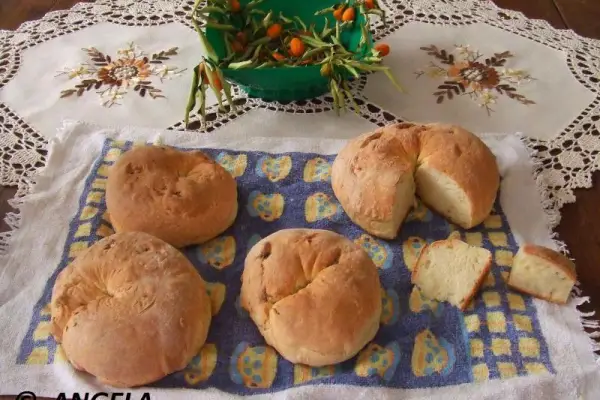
235, 165
317, 170
419, 213
202, 365
253, 366
411, 248
418, 303
304, 373
216, 292
432, 355
269, 207
377, 360
379, 251
219, 252
274, 168
390, 307
319, 206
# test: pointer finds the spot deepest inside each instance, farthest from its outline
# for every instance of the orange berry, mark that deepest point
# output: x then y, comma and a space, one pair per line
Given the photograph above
338, 13
237, 47
274, 31
296, 47
241, 37
370, 4
278, 56
235, 5
349, 15
204, 71
383, 49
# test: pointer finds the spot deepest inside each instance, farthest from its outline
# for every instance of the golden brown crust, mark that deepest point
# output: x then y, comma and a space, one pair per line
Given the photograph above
484, 274
466, 159
555, 258
314, 295
181, 197
365, 174
367, 170
130, 310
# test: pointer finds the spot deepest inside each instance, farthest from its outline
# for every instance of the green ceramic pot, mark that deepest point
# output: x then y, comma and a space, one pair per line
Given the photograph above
288, 83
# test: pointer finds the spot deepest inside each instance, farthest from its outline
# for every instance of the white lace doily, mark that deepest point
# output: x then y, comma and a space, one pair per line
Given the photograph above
453, 74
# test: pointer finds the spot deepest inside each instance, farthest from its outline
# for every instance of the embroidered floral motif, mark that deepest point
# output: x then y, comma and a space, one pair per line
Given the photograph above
465, 73
113, 78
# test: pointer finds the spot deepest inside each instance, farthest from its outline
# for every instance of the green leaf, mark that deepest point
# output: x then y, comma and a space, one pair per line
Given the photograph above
388, 73
241, 64
352, 70
192, 97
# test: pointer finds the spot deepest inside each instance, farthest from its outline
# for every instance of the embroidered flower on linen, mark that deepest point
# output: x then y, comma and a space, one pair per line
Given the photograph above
465, 72
113, 79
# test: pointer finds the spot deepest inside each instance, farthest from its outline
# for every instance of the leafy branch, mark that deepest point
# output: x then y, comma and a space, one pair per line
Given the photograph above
99, 58
82, 87
442, 55
165, 55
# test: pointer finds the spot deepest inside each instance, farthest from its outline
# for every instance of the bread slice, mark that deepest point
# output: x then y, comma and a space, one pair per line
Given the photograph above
543, 273
451, 270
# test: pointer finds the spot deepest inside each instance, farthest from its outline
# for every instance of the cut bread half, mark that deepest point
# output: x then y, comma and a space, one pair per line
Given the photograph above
452, 270
543, 273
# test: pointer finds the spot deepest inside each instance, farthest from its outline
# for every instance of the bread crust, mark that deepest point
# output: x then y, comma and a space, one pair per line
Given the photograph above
130, 310
367, 170
555, 258
556, 261
314, 295
181, 197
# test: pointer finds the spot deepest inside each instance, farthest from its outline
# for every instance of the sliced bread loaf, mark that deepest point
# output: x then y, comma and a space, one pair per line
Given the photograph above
543, 273
451, 270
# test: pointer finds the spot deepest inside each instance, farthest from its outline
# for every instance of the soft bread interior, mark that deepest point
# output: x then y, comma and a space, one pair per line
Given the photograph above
452, 271
541, 278
443, 195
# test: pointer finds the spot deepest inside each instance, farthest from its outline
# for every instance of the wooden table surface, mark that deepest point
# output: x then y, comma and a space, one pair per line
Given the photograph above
580, 225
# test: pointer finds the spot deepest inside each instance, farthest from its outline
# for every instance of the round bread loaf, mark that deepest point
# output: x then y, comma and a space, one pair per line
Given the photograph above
130, 310
314, 295
181, 197
376, 176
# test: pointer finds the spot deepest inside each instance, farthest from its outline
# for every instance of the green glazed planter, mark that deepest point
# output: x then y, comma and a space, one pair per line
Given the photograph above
289, 83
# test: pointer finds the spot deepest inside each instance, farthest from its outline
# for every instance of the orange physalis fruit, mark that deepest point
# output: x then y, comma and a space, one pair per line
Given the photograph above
296, 47
349, 15
338, 13
204, 71
241, 37
274, 31
383, 49
278, 56
370, 4
237, 47
235, 5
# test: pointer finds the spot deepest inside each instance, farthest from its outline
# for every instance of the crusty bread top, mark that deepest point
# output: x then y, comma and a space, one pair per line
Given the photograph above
312, 291
554, 257
130, 310
367, 169
181, 197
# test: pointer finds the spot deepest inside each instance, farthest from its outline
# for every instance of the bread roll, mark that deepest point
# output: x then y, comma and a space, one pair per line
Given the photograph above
181, 197
314, 295
543, 273
452, 270
130, 310
376, 176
